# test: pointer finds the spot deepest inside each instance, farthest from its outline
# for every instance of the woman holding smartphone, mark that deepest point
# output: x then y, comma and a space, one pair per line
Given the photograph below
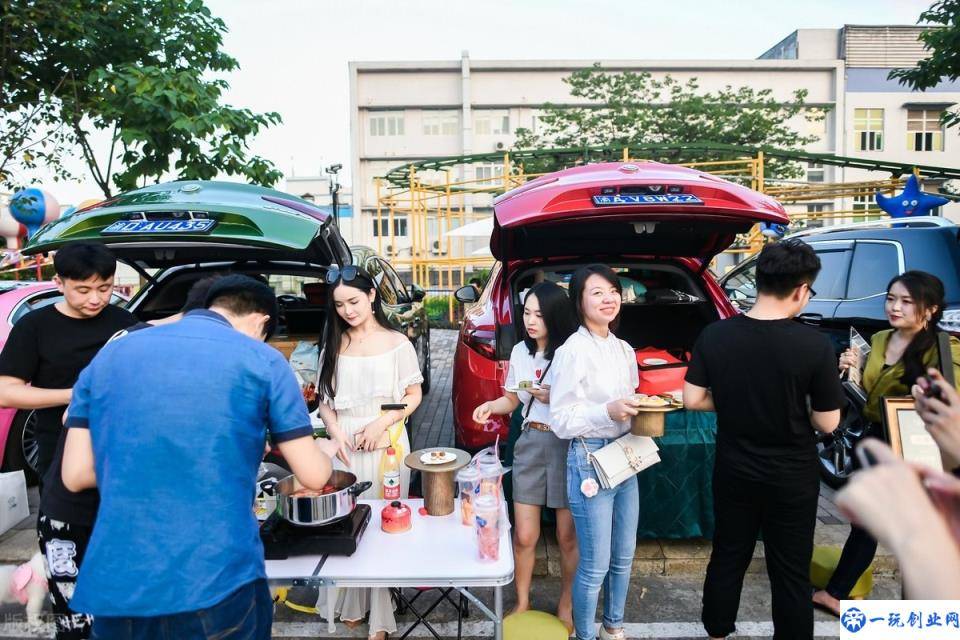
364, 365
591, 404
540, 457
898, 358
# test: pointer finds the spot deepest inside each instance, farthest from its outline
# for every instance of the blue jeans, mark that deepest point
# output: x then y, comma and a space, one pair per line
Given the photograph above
607, 537
246, 614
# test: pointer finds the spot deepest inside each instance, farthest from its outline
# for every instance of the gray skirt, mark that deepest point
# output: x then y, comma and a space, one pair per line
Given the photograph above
540, 469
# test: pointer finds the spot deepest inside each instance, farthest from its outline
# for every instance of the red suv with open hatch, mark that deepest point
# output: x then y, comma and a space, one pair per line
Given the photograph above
657, 225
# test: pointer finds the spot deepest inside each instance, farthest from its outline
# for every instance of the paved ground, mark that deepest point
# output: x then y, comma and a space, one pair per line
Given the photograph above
666, 589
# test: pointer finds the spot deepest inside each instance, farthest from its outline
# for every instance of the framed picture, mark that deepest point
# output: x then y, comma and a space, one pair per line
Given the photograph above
907, 435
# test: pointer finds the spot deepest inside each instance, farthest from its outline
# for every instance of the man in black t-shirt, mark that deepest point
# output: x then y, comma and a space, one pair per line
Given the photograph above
772, 381
48, 348
45, 353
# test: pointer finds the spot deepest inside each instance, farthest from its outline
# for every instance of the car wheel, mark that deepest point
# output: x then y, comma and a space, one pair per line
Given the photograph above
425, 385
833, 452
21, 450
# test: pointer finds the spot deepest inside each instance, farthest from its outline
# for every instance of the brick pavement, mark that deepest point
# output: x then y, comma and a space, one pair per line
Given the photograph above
433, 426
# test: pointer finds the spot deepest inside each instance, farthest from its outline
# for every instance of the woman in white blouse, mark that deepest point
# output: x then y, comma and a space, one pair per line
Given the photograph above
593, 377
539, 456
365, 364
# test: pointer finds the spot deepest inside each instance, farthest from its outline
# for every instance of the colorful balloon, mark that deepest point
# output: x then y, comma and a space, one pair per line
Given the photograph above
89, 202
33, 207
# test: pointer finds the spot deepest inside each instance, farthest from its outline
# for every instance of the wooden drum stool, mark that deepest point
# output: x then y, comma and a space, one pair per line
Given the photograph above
439, 486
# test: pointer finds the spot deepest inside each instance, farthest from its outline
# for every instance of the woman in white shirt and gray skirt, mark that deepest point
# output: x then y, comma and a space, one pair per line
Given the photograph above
593, 378
539, 458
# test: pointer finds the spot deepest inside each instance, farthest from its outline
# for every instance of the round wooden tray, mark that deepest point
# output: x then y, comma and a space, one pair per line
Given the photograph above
666, 409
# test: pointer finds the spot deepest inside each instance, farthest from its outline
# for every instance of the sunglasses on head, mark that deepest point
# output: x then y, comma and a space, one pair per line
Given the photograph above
348, 273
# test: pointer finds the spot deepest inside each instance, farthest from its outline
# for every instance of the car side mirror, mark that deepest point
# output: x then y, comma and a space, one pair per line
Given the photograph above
467, 294
417, 293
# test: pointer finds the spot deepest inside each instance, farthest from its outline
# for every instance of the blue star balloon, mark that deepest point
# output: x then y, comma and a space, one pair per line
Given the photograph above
912, 202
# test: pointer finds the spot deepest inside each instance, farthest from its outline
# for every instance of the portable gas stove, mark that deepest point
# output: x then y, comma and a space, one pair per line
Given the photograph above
281, 539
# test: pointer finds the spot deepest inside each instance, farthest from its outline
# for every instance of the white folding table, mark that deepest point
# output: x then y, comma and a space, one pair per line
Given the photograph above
436, 552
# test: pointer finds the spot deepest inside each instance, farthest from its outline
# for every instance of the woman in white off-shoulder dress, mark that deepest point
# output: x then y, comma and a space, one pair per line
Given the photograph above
364, 364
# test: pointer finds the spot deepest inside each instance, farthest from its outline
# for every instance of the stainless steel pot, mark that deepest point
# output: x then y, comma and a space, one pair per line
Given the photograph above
314, 511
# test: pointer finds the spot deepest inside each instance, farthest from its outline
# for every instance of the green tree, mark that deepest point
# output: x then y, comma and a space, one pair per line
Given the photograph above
633, 108
944, 47
142, 71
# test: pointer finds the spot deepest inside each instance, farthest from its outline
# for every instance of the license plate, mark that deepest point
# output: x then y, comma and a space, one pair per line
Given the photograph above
626, 200
159, 226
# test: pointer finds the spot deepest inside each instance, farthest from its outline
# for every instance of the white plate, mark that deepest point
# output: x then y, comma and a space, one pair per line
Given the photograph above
652, 362
426, 458
518, 389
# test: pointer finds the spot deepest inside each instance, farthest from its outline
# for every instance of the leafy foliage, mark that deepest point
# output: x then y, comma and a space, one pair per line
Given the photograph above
144, 71
944, 61
632, 108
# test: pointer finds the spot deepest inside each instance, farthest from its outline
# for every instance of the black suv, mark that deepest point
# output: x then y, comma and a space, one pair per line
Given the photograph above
858, 261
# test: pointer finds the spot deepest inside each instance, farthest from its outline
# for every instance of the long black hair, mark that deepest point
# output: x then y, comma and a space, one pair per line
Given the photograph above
928, 294
579, 282
336, 328
558, 317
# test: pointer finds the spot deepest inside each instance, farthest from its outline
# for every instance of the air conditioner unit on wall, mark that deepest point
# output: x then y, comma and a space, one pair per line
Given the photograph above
499, 146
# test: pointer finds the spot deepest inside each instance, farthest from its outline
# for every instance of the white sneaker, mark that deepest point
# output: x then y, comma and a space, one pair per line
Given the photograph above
606, 635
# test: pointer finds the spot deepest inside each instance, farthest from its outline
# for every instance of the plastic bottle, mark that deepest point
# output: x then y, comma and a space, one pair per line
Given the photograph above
390, 475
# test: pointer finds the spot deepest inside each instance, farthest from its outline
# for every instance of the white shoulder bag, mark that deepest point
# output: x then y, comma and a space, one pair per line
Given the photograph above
623, 458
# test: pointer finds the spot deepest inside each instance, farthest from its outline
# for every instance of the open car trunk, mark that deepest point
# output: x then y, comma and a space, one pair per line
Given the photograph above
664, 304
301, 296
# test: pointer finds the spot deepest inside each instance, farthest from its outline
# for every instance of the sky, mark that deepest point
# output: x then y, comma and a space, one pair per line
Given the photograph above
293, 54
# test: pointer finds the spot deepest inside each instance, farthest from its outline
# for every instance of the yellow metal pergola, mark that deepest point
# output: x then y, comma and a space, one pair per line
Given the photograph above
435, 204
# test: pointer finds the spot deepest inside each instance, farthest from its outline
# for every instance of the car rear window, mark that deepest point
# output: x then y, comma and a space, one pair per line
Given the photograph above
641, 285
874, 265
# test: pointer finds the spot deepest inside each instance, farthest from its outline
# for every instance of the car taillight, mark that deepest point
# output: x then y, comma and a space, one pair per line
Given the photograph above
481, 341
951, 321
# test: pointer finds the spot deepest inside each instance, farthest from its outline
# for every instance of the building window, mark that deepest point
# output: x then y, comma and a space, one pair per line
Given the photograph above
441, 123
387, 124
815, 172
383, 229
491, 123
489, 172
868, 129
924, 131
866, 204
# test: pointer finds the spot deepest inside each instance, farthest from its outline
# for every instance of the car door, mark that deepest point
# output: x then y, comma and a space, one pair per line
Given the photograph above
875, 263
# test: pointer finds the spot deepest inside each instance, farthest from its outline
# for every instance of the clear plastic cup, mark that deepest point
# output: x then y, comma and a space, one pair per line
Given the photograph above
486, 511
469, 482
491, 476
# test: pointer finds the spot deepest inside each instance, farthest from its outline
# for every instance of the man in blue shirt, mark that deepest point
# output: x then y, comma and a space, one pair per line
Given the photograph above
170, 424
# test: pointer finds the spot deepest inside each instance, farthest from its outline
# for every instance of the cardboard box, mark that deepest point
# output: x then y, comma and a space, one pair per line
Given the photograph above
13, 500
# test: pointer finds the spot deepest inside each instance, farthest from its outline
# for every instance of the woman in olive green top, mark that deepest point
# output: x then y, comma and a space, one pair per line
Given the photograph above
898, 356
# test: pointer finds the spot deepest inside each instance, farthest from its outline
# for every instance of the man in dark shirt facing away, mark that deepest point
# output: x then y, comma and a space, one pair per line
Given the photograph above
772, 381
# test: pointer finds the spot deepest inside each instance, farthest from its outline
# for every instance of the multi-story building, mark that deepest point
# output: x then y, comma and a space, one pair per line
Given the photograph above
406, 111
